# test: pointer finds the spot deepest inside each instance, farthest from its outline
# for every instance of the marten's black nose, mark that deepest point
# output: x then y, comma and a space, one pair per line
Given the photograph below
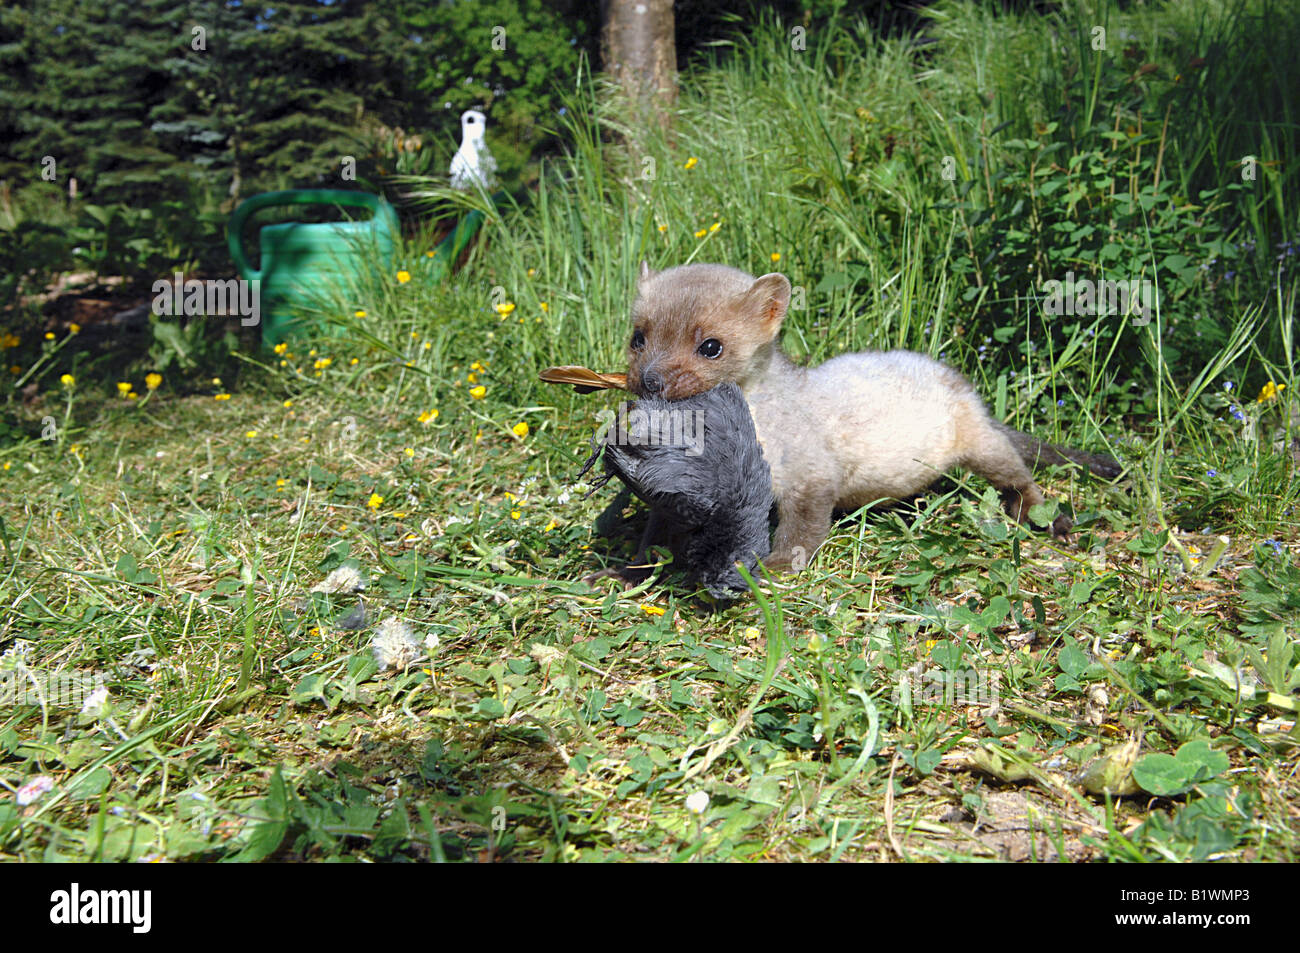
651, 383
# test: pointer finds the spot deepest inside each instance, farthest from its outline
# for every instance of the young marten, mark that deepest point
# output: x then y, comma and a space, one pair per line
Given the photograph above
856, 429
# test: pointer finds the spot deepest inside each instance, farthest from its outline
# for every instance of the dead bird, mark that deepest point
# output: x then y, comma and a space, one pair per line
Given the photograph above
698, 465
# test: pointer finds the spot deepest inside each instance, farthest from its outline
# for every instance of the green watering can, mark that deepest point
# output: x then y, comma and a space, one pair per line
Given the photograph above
303, 263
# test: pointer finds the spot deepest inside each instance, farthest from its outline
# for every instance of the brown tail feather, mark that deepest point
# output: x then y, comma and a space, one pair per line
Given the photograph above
1038, 454
584, 381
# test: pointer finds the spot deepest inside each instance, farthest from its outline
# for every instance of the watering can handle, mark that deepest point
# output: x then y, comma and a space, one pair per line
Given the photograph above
235, 230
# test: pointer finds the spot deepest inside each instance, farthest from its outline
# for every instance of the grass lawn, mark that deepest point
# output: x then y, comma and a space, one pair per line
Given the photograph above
937, 685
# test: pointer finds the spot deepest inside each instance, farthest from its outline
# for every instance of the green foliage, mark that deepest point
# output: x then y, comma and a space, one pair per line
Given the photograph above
34, 244
1166, 775
504, 60
1270, 597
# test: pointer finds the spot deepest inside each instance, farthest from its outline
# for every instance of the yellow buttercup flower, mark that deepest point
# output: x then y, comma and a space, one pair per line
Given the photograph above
663, 228
123, 388
409, 452
691, 163
701, 233
221, 397
476, 366
776, 256
288, 404
152, 381
478, 393
358, 314
428, 415
403, 277
652, 610
322, 363
471, 379
68, 381
520, 429
1269, 391
281, 347
515, 514
250, 434
74, 328
505, 307
715, 226
375, 501
545, 307
549, 526
49, 335
279, 484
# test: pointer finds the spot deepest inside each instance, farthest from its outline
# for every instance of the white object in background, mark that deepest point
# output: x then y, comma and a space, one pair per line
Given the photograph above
472, 165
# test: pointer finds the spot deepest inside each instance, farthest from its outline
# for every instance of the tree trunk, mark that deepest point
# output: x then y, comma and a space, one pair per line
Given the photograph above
637, 45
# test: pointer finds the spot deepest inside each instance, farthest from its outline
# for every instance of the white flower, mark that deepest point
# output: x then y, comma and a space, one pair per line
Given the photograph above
343, 579
698, 802
96, 703
33, 789
395, 645
431, 642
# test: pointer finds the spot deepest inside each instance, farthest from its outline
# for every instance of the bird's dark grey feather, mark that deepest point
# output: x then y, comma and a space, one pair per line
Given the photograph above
713, 494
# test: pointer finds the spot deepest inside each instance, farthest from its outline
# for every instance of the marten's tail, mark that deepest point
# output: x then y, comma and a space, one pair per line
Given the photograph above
1038, 454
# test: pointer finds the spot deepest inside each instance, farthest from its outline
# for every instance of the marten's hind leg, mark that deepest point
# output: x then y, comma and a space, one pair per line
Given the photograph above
991, 454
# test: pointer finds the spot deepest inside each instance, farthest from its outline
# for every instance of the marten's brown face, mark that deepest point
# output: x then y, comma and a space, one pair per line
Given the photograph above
695, 326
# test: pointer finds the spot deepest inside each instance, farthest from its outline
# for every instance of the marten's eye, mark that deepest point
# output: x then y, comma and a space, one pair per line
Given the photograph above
711, 348
638, 340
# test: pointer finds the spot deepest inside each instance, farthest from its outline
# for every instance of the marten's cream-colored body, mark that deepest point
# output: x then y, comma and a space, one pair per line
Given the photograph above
857, 429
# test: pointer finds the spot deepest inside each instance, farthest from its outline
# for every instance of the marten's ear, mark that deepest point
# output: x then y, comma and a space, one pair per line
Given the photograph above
766, 301
645, 273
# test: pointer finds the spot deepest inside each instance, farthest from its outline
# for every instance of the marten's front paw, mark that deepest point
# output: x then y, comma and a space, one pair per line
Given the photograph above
795, 560
776, 563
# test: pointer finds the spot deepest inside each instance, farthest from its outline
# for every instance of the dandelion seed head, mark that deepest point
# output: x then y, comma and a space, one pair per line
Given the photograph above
343, 579
395, 645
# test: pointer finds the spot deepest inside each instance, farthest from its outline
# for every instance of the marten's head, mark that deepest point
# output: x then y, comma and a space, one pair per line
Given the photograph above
695, 326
